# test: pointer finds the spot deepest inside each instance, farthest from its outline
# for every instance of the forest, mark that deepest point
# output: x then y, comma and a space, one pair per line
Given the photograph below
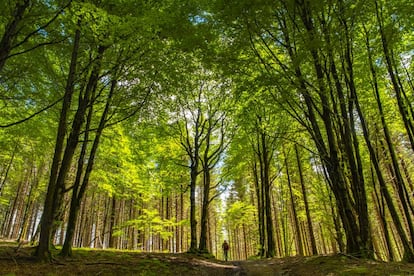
284, 127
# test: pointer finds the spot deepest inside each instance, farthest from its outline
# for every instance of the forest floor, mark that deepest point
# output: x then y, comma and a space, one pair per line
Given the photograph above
16, 260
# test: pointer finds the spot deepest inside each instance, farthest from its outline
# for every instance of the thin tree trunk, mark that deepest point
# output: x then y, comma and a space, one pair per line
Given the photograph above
394, 78
7, 170
359, 192
314, 250
260, 211
27, 210
408, 253
294, 216
270, 252
181, 218
193, 221
383, 225
111, 242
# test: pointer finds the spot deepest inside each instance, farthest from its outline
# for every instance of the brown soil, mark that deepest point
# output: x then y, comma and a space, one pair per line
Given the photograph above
18, 261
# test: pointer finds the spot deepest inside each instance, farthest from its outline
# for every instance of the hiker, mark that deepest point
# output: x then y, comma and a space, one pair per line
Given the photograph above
226, 248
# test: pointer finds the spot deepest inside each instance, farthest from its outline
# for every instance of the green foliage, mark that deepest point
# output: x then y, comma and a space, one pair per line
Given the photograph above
239, 213
151, 221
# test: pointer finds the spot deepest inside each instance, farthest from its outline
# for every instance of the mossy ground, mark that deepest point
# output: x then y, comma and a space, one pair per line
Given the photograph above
16, 260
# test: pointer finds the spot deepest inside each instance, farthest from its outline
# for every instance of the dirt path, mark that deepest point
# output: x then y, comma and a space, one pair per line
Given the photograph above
320, 266
262, 267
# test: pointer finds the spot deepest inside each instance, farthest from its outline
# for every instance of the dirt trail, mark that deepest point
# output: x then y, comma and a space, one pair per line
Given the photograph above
263, 267
332, 265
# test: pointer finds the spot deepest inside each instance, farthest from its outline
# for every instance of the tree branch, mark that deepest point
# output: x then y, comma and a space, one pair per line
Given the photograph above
31, 116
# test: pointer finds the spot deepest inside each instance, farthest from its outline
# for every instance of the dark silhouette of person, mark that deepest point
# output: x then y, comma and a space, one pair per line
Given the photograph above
226, 248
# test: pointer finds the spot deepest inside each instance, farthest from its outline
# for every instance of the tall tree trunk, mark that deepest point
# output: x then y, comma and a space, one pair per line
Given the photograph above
4, 175
380, 210
177, 226
80, 186
193, 221
210, 158
359, 191
46, 224
394, 77
111, 242
75, 201
329, 154
13, 211
314, 250
271, 250
260, 210
193, 151
206, 192
294, 216
265, 156
73, 139
181, 218
28, 207
204, 210
408, 253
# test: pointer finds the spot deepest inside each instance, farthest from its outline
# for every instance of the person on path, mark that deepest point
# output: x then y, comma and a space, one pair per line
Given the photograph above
226, 248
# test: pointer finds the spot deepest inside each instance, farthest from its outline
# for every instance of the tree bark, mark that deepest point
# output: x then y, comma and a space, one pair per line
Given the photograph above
355, 243
80, 186
294, 216
111, 242
408, 252
260, 211
314, 250
402, 106
46, 224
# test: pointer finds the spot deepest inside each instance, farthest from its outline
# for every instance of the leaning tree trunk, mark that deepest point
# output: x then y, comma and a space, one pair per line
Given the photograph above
399, 179
46, 223
75, 202
408, 252
79, 187
394, 78
354, 155
329, 153
73, 139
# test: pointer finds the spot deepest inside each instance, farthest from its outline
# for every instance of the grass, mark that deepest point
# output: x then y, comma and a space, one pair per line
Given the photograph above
18, 261
102, 262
